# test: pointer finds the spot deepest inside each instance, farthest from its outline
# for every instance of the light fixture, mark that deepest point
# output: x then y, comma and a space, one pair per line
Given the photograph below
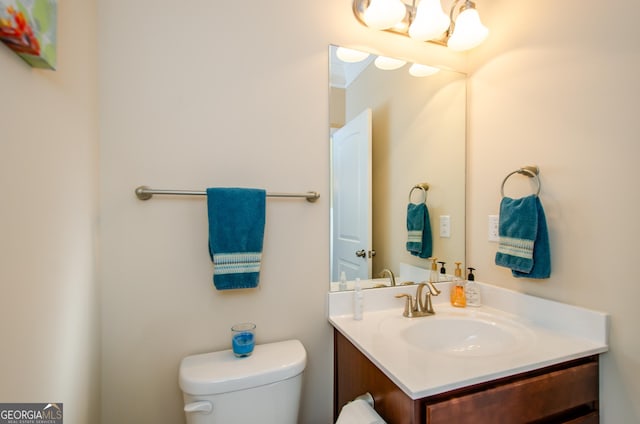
425, 20
384, 14
430, 21
468, 31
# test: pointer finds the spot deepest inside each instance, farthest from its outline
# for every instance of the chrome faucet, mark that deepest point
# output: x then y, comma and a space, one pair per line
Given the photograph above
422, 305
388, 273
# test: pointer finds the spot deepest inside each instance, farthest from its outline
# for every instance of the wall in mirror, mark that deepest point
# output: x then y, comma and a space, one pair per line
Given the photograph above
389, 131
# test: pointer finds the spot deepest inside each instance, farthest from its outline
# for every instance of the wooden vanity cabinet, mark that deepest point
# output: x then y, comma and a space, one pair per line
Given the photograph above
563, 393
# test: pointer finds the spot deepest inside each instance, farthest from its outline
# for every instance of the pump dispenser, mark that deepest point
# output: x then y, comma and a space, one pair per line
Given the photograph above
433, 275
458, 296
443, 271
472, 290
358, 301
343, 281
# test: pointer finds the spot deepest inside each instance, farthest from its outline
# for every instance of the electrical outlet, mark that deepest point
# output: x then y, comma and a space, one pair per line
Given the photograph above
493, 228
445, 226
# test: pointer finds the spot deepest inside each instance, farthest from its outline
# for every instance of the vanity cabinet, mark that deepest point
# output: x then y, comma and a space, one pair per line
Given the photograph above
563, 393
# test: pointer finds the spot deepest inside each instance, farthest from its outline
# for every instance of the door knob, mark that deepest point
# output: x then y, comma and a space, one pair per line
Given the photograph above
361, 253
372, 253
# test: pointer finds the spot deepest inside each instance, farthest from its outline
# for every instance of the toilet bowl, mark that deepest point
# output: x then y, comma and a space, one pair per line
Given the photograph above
219, 388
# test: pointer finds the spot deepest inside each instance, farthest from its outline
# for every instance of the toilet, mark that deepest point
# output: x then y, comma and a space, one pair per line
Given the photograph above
265, 388
219, 388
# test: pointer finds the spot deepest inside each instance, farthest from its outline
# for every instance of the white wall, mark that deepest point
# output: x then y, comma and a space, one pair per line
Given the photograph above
48, 179
557, 85
198, 94
205, 94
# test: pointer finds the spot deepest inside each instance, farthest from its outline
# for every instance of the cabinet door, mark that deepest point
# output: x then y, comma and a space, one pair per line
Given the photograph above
563, 393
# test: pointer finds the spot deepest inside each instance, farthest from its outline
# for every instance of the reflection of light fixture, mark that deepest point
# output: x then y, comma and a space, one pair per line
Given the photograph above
419, 70
425, 20
350, 55
388, 63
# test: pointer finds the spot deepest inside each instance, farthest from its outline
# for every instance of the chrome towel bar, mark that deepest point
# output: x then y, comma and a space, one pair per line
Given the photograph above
146, 193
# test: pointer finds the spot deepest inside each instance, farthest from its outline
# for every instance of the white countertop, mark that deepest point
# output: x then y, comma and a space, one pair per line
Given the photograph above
553, 333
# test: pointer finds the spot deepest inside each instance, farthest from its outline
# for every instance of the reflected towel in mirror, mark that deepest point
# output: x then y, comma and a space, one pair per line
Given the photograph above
419, 238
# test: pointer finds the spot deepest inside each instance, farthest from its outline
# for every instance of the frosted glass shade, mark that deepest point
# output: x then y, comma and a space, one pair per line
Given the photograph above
430, 21
468, 31
383, 14
388, 63
351, 55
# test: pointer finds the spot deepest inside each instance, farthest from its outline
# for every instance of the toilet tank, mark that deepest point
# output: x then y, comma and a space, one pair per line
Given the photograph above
219, 388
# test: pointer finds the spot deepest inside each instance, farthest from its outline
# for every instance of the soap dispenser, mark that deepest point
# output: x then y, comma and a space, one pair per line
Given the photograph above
472, 290
458, 295
443, 271
433, 275
343, 281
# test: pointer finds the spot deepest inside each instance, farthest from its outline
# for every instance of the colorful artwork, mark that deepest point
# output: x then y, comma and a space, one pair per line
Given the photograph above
28, 27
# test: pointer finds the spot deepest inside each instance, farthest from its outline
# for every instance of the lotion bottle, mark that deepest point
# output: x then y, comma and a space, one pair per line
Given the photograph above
358, 301
458, 295
472, 290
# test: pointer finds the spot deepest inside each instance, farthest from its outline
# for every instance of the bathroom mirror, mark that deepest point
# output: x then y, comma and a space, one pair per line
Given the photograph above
390, 131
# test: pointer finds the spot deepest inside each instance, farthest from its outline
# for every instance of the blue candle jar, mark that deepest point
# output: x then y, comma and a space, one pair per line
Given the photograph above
243, 339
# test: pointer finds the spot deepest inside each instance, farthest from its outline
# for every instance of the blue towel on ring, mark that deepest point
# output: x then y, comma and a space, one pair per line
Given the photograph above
236, 234
524, 238
419, 238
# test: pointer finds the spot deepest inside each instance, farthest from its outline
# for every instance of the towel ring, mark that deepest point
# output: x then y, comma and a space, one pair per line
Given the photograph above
421, 186
529, 171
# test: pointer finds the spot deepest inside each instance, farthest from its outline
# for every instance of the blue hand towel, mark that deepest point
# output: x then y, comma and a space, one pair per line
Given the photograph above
236, 234
419, 241
524, 238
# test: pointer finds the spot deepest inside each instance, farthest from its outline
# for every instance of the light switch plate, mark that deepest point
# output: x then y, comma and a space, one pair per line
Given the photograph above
445, 226
493, 228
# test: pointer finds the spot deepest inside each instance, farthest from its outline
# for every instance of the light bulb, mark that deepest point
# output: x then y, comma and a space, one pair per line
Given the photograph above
419, 70
350, 55
430, 21
388, 63
468, 31
383, 14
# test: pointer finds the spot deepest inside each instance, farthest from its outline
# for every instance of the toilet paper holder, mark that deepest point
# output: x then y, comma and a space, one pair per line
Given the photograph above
367, 398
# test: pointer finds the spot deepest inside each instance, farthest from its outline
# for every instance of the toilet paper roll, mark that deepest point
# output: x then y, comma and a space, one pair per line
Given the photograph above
359, 412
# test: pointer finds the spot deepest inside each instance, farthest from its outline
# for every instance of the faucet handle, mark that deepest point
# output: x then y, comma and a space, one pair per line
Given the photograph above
408, 304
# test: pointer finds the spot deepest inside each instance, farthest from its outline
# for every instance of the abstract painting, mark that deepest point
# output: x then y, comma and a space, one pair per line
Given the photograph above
29, 28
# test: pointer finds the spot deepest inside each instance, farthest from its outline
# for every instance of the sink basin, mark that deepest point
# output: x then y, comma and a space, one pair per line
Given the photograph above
466, 335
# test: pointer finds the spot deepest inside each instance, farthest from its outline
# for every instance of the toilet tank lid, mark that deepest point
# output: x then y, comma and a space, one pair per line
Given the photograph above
221, 372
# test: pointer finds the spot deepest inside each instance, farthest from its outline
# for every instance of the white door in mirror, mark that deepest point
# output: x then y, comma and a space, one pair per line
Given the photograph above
351, 198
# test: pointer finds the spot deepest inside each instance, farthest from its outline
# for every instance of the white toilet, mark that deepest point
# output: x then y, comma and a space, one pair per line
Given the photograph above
265, 387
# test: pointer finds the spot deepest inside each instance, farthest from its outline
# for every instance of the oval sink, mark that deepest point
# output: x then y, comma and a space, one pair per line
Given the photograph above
466, 336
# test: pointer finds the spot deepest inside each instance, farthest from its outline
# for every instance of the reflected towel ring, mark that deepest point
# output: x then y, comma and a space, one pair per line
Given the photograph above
421, 186
529, 171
